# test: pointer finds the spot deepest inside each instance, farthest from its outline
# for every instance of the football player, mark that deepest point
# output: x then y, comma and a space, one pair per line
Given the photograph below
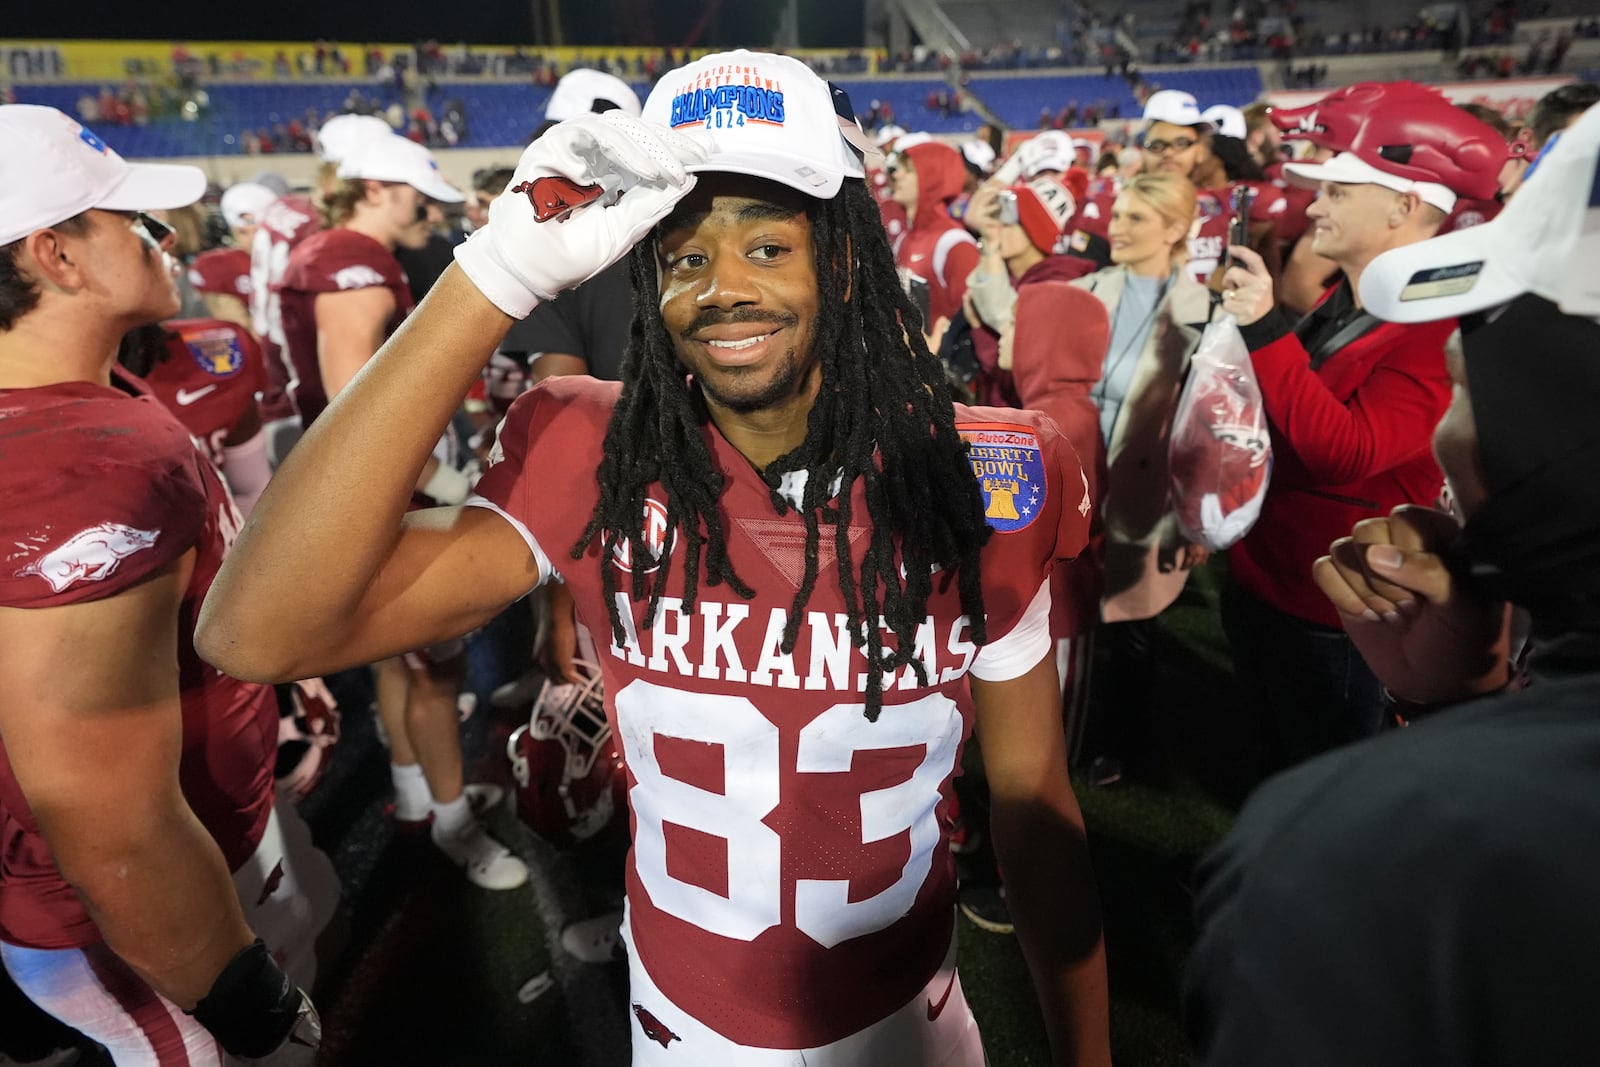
207, 372
812, 575
342, 293
145, 861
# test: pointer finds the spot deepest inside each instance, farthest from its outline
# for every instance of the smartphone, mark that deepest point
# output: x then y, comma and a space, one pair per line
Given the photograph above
1239, 229
1008, 207
921, 296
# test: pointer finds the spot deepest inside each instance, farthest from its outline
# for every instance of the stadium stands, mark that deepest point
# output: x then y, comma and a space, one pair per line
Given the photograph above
1017, 100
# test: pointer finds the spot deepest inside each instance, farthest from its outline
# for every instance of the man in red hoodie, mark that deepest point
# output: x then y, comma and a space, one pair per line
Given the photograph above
937, 253
1352, 402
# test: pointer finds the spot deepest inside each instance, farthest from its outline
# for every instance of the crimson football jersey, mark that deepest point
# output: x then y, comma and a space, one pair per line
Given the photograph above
104, 488
286, 222
333, 261
1292, 223
1211, 240
790, 881
209, 378
223, 271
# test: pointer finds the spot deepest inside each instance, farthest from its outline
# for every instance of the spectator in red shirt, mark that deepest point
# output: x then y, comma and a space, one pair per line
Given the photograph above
1352, 403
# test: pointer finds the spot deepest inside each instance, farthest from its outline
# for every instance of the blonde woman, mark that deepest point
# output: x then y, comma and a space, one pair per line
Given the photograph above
1157, 314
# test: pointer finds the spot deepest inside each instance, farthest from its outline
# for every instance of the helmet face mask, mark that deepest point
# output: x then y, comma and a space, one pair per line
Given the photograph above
566, 763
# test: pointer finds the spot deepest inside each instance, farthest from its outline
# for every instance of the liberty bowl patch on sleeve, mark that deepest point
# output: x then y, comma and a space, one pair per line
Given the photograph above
216, 349
1008, 462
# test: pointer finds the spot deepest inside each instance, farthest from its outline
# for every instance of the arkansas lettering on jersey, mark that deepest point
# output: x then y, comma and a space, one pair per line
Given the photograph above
789, 881
209, 378
337, 260
286, 222
107, 488
1211, 240
222, 271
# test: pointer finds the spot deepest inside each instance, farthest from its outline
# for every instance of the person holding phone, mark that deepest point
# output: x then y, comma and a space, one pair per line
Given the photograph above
1351, 403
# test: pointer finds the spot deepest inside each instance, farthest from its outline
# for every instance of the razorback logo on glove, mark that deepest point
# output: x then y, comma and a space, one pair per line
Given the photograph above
553, 196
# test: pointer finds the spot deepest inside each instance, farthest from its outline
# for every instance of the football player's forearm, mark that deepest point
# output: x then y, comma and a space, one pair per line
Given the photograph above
1044, 858
328, 520
161, 896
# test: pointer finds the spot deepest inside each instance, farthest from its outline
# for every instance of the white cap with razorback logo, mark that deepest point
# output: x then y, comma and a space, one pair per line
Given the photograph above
765, 115
1545, 242
395, 159
53, 169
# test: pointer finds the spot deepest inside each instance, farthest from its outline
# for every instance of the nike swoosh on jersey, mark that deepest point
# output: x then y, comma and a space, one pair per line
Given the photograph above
934, 1010
185, 398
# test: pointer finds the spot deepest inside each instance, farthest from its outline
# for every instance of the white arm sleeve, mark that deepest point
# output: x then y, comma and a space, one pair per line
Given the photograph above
1019, 651
547, 570
247, 468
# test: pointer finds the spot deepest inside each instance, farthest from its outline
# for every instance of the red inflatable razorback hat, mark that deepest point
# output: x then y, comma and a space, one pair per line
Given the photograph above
1332, 121
1418, 144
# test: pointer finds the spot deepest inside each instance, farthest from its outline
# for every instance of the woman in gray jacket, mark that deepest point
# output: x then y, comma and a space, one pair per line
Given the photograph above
1157, 315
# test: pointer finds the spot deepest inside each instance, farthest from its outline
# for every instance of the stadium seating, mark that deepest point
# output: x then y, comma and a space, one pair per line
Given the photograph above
1017, 100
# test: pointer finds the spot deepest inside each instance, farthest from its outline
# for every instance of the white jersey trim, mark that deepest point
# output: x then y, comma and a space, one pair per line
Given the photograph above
946, 244
1019, 651
547, 570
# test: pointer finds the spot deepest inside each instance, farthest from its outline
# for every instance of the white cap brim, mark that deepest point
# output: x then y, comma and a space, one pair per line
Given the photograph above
155, 187
1347, 168
800, 173
1441, 278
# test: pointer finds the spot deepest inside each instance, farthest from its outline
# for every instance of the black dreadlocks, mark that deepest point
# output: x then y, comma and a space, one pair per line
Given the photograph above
883, 416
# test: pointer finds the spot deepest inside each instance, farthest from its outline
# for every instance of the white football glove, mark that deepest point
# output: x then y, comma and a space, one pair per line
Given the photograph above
581, 197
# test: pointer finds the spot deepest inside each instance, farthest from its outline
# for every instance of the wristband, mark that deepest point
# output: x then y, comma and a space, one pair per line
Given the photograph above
448, 485
252, 1006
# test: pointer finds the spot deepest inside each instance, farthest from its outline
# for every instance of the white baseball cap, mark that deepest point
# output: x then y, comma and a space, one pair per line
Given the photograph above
1347, 168
765, 115
53, 169
978, 154
888, 134
1174, 106
395, 159
244, 202
342, 134
1226, 120
1051, 150
1545, 242
579, 90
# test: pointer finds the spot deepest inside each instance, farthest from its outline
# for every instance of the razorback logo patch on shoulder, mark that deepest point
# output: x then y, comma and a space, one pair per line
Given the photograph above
1008, 462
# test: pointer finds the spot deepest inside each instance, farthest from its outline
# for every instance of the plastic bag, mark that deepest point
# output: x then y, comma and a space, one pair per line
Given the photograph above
1220, 455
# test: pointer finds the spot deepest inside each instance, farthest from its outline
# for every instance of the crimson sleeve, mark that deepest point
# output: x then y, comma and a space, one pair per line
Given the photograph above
1388, 420
107, 505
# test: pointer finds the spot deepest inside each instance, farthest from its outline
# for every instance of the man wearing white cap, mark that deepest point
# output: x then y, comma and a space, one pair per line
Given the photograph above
787, 541
1177, 140
1485, 808
343, 293
143, 852
1351, 402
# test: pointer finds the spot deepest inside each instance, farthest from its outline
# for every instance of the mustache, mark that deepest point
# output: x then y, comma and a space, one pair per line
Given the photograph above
743, 316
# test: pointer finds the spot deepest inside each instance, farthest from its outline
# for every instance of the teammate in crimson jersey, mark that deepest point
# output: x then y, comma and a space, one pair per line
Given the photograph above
207, 372
342, 294
285, 223
143, 854
800, 639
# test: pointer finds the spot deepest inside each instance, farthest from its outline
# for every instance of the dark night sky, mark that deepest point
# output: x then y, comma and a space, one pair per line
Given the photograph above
825, 23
